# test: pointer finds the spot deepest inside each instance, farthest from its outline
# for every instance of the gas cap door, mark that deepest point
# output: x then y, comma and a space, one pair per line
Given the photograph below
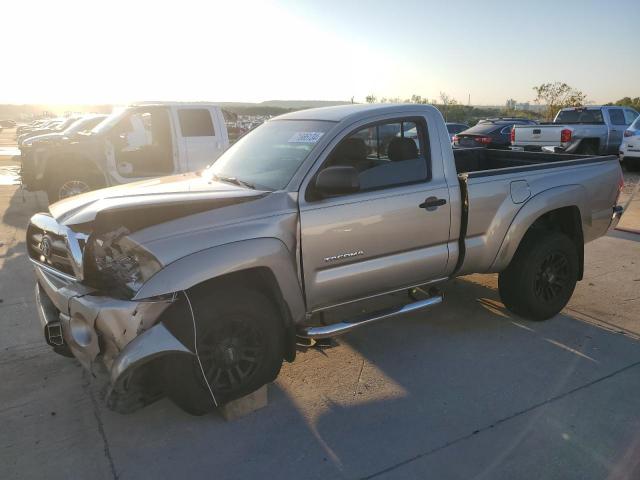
520, 191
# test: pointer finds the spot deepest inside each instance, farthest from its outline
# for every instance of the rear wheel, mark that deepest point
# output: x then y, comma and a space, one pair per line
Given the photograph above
240, 345
540, 279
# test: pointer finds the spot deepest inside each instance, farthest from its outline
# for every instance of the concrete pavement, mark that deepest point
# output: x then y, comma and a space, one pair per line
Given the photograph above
464, 391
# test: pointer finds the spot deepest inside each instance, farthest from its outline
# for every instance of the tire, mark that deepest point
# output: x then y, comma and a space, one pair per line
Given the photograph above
541, 277
223, 319
66, 183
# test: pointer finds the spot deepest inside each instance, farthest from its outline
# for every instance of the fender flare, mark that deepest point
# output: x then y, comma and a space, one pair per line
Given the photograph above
82, 158
214, 262
544, 202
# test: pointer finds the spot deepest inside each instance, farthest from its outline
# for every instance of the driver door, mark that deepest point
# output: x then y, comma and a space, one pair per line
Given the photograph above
383, 237
142, 146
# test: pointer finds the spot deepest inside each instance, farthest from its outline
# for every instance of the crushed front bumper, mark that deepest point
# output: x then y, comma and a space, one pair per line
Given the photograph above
125, 335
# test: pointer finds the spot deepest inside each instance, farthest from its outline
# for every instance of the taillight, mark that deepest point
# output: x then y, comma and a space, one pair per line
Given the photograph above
455, 139
483, 140
628, 133
513, 135
565, 135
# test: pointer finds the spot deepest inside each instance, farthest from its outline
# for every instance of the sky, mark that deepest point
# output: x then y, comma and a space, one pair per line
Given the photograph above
115, 51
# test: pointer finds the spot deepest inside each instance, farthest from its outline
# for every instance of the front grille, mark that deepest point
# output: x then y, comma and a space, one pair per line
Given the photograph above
47, 243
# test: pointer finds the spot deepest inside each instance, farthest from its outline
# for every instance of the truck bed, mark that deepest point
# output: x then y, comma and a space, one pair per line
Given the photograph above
477, 162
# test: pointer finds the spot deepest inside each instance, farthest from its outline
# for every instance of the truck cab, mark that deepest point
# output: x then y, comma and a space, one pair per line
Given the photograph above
139, 142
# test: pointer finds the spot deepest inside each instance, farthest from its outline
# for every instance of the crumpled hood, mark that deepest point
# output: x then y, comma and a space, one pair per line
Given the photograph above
149, 202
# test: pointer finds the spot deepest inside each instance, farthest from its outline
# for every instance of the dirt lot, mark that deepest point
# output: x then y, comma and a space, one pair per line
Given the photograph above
466, 390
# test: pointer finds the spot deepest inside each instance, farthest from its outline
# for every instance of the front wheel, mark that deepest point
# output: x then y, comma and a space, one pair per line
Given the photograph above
240, 341
540, 279
65, 183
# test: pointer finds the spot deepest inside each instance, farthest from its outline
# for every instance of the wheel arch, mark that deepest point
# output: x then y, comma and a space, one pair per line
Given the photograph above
78, 162
561, 209
264, 263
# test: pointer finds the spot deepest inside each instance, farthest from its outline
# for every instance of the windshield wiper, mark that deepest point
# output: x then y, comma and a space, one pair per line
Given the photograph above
234, 181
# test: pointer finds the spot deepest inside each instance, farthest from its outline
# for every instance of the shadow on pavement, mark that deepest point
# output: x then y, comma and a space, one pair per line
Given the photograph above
396, 395
463, 372
464, 390
21, 206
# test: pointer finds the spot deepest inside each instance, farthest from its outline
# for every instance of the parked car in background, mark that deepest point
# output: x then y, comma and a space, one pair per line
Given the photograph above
34, 125
490, 133
142, 141
55, 126
587, 130
455, 128
197, 286
7, 123
630, 147
82, 125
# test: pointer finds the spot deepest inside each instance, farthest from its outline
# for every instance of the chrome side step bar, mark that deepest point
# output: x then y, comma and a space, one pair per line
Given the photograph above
335, 329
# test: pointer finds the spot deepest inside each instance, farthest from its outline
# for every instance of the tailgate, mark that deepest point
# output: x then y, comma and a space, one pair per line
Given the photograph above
538, 135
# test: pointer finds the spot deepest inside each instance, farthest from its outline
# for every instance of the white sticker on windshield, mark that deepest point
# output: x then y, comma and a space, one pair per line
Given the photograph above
305, 137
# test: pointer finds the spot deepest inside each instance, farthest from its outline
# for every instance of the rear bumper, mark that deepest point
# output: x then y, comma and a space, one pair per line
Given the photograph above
124, 335
526, 148
618, 210
630, 151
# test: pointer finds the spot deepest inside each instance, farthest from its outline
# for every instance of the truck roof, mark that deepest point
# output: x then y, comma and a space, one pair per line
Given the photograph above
170, 103
342, 112
592, 107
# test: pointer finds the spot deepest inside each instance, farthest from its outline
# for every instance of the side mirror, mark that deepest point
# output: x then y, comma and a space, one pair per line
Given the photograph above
337, 181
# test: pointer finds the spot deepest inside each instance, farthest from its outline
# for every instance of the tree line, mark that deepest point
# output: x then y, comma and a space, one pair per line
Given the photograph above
551, 97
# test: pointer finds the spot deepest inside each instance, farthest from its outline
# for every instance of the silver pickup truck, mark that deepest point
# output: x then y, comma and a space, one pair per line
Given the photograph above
198, 286
585, 130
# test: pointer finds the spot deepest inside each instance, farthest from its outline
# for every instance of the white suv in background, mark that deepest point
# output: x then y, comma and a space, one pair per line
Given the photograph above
630, 146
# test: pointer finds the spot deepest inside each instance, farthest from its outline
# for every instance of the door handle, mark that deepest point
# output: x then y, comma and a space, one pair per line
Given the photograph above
432, 203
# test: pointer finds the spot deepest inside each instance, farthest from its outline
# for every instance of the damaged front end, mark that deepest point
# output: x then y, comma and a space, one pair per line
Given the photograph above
91, 261
90, 314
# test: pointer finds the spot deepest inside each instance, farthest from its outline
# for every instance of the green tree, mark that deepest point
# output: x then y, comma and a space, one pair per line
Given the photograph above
557, 95
629, 102
371, 98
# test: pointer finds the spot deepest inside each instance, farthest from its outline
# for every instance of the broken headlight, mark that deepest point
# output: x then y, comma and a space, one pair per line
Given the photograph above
119, 264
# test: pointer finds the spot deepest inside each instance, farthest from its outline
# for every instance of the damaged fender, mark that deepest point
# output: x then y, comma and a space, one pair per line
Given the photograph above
215, 262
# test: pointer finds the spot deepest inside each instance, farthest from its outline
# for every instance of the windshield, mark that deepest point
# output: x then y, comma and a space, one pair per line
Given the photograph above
110, 121
579, 115
82, 124
269, 156
483, 128
65, 124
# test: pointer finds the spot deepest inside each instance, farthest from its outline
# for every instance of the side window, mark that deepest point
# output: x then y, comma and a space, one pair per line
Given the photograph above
385, 154
616, 116
196, 123
507, 130
629, 116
